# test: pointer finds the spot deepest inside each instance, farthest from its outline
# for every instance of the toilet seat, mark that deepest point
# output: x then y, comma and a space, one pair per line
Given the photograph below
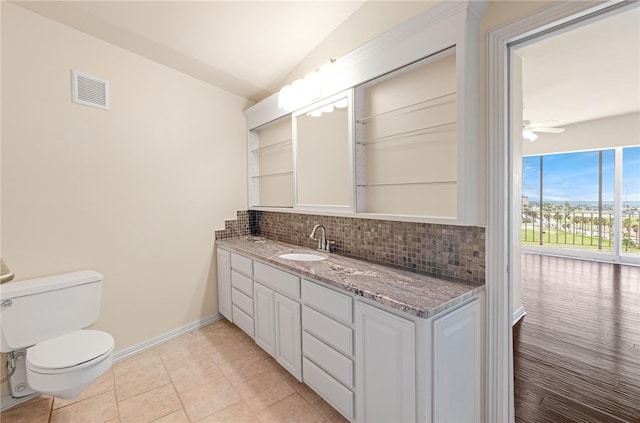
69, 352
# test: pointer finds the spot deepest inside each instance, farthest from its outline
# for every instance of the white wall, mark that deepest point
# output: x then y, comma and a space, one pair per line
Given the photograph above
134, 193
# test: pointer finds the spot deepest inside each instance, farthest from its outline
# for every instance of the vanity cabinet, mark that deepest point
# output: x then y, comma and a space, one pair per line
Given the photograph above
242, 293
386, 361
264, 321
277, 316
327, 345
288, 335
224, 283
371, 362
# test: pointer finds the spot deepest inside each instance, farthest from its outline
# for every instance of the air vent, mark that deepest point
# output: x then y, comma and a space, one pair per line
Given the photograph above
89, 90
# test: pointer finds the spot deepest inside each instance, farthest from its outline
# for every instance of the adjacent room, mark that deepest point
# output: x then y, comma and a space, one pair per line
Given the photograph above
576, 336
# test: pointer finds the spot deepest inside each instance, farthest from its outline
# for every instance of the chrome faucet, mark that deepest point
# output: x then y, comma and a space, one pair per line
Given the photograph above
323, 244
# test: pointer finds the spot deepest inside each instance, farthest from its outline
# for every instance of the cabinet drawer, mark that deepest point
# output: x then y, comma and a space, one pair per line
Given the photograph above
242, 264
331, 390
243, 320
329, 302
283, 282
242, 283
336, 364
333, 333
242, 301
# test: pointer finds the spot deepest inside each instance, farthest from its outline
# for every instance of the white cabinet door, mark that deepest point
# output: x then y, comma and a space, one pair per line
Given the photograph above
456, 366
288, 335
263, 316
385, 366
224, 284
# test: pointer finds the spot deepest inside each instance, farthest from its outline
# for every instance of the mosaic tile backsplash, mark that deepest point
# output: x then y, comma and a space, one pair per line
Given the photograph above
444, 250
236, 228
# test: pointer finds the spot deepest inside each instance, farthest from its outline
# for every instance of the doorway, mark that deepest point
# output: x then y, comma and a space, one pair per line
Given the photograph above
499, 266
575, 192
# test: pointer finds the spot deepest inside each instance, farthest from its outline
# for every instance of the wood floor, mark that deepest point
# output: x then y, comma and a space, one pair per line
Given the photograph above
577, 351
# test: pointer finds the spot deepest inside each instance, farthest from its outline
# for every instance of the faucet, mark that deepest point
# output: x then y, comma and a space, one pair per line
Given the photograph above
323, 244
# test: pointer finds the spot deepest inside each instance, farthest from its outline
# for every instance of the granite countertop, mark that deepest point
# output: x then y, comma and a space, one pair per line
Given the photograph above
417, 294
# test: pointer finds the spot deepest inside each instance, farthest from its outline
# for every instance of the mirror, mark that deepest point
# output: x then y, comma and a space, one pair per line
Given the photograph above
323, 154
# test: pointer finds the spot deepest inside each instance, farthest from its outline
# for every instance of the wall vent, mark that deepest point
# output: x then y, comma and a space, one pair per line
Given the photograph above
89, 90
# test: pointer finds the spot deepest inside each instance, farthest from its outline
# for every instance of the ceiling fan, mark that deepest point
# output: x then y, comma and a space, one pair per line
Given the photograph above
529, 129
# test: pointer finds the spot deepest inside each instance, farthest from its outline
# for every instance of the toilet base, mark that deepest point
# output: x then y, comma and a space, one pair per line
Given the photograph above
70, 383
18, 386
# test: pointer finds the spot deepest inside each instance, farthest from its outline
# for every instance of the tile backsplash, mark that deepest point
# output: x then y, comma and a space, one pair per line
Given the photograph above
444, 250
236, 228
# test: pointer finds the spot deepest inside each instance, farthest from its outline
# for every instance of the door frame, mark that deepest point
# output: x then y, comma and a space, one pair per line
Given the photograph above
499, 369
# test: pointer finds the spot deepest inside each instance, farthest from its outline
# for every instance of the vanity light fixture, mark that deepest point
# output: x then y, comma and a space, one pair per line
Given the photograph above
341, 104
305, 90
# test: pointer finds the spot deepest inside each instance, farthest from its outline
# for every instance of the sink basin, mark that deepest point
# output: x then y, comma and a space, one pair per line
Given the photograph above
303, 256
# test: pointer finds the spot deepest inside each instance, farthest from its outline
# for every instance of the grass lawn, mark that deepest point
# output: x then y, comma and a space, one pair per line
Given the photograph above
560, 238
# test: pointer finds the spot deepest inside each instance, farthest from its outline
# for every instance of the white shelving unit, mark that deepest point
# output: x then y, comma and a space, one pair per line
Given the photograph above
407, 140
270, 167
415, 126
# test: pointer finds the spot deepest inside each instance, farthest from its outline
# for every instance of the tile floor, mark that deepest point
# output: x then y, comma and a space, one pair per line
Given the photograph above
214, 374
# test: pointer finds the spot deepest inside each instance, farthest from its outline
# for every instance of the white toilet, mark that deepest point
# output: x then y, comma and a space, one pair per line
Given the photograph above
40, 322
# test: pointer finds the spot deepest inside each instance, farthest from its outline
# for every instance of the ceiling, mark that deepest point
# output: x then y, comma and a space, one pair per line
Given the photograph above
586, 73
246, 47
250, 47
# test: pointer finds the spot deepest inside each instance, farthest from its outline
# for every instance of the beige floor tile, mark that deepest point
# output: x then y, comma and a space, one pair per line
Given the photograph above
150, 405
264, 390
292, 409
206, 400
305, 392
138, 381
186, 355
190, 376
184, 341
239, 412
228, 353
138, 361
36, 410
330, 413
215, 334
97, 409
104, 383
177, 417
245, 368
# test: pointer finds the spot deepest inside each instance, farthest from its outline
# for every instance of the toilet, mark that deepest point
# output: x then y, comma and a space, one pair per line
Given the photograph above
42, 325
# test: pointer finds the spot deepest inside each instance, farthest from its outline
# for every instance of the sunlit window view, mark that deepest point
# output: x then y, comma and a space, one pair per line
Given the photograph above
569, 201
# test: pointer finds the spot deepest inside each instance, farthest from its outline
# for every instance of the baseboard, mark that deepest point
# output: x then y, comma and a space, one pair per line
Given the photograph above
7, 401
165, 337
518, 314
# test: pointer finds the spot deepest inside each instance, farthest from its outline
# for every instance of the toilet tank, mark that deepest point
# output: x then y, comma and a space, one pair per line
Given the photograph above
34, 310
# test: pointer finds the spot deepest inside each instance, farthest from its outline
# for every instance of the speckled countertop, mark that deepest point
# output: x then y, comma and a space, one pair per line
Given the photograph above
416, 294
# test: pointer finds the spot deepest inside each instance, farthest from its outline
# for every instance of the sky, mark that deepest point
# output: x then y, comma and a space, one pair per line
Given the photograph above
574, 176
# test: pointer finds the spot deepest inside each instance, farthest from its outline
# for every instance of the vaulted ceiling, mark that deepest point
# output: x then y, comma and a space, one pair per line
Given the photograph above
246, 47
250, 47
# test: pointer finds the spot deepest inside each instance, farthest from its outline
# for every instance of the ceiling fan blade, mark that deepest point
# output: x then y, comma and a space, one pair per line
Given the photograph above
549, 130
543, 124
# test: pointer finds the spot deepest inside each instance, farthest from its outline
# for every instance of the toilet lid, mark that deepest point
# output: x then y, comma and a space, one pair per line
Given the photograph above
70, 349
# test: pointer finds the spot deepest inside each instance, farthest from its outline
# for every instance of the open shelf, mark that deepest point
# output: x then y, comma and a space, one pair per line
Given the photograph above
435, 129
391, 184
421, 105
272, 146
272, 174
